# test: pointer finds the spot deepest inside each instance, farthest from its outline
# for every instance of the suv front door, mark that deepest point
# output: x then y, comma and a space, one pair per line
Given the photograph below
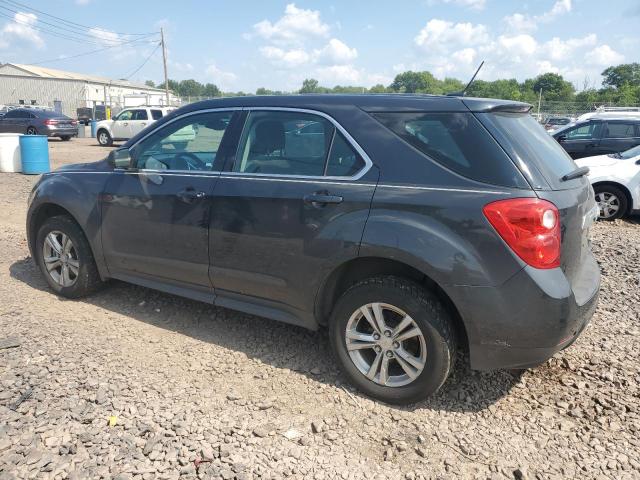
139, 120
120, 128
290, 206
582, 140
155, 215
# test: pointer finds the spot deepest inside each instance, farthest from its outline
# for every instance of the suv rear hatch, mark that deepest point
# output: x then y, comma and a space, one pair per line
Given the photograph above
544, 164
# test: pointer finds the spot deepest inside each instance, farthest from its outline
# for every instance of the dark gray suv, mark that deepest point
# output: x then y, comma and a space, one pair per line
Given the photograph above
409, 226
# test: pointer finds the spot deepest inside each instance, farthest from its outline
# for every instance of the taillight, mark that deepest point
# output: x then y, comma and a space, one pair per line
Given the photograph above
531, 228
49, 121
73, 122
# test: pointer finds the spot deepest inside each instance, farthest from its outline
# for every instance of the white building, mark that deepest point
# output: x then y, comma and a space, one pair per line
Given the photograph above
68, 91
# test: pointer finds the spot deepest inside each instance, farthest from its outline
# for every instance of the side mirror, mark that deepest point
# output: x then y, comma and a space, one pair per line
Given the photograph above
637, 162
119, 158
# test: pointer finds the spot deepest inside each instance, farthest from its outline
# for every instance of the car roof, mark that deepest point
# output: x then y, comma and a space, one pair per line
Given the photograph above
367, 102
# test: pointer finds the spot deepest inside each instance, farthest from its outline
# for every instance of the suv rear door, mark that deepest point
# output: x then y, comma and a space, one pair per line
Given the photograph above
289, 207
619, 135
139, 120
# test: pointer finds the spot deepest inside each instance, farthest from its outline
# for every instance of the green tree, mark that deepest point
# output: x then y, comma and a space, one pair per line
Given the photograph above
190, 88
309, 85
379, 88
149, 83
211, 90
412, 82
627, 73
553, 87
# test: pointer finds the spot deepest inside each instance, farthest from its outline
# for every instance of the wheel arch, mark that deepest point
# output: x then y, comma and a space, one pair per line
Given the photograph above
624, 188
40, 214
360, 268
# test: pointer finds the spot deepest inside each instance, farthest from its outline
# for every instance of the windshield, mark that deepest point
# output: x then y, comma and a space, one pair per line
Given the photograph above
632, 152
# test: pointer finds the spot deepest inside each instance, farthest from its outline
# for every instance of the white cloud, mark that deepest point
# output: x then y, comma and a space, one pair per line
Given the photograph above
294, 26
336, 52
339, 74
562, 50
474, 4
465, 56
82, 2
106, 37
440, 35
224, 80
603, 56
521, 23
285, 58
21, 29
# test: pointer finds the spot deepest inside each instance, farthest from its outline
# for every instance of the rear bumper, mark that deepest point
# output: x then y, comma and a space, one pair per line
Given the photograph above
528, 319
60, 132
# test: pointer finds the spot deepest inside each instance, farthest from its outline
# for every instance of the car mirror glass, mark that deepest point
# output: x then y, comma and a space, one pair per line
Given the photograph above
120, 158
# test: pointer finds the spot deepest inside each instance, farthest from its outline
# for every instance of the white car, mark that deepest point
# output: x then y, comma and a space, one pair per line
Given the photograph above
128, 123
616, 182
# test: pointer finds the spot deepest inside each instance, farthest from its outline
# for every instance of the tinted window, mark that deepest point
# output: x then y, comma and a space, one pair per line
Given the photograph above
584, 132
458, 141
139, 115
531, 144
12, 114
343, 159
619, 130
156, 114
190, 143
284, 143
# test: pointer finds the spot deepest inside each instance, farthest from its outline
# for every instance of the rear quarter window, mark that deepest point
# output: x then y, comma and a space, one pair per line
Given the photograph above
459, 142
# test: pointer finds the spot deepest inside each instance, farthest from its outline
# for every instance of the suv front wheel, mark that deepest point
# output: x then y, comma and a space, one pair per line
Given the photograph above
393, 339
104, 138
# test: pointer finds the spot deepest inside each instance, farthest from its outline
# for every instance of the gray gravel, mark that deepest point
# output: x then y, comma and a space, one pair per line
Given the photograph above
135, 384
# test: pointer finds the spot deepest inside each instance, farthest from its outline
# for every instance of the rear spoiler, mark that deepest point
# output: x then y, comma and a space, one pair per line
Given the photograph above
491, 105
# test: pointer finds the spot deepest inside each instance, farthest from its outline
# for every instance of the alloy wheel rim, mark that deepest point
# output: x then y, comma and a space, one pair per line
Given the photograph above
61, 258
103, 138
608, 203
386, 345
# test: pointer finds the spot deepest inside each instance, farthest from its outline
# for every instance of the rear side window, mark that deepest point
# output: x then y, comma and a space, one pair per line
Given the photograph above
156, 114
139, 115
531, 145
459, 142
619, 130
343, 160
584, 132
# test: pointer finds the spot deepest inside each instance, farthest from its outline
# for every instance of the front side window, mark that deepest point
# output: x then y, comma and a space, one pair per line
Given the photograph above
156, 114
619, 130
584, 132
284, 143
125, 115
139, 115
190, 143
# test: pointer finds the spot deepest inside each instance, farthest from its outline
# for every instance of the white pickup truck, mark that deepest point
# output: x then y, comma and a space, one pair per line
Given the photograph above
128, 123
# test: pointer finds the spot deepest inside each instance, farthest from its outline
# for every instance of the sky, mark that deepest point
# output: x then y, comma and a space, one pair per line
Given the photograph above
243, 45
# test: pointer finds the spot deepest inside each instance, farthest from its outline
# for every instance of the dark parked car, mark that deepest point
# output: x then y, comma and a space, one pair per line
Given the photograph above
38, 122
556, 122
599, 136
409, 226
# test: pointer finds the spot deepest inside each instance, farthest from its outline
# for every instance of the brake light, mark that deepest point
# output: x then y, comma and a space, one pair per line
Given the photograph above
73, 122
531, 228
49, 121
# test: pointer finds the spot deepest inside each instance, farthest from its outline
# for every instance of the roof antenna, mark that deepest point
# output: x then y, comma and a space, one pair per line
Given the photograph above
462, 92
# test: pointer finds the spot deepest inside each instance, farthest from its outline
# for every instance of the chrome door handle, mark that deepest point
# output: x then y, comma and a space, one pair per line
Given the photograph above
190, 195
319, 199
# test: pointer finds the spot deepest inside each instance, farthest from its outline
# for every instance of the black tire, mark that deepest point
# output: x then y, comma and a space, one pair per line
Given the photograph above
66, 138
428, 313
104, 139
32, 131
616, 197
87, 279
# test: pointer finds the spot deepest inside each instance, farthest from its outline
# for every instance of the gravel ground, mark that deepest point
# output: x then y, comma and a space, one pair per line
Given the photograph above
132, 383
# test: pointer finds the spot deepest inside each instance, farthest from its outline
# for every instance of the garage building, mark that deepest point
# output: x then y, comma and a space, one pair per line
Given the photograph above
67, 91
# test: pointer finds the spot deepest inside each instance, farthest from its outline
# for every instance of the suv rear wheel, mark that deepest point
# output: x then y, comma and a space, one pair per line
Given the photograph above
393, 339
65, 258
612, 202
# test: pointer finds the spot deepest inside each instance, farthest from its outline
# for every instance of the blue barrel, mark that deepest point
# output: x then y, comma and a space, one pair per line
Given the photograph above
94, 125
34, 150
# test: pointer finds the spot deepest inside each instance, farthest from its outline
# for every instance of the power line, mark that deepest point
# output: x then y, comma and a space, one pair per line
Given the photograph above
143, 63
68, 22
92, 40
59, 59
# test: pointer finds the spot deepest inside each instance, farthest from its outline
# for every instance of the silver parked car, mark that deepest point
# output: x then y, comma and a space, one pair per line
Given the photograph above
38, 122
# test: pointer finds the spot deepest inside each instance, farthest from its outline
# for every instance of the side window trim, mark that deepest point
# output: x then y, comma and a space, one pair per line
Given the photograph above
337, 127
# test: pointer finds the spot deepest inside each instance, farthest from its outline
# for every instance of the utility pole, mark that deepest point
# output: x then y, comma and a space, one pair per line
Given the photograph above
164, 61
539, 102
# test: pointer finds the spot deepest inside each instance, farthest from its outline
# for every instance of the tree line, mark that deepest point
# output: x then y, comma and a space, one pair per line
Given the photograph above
620, 86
